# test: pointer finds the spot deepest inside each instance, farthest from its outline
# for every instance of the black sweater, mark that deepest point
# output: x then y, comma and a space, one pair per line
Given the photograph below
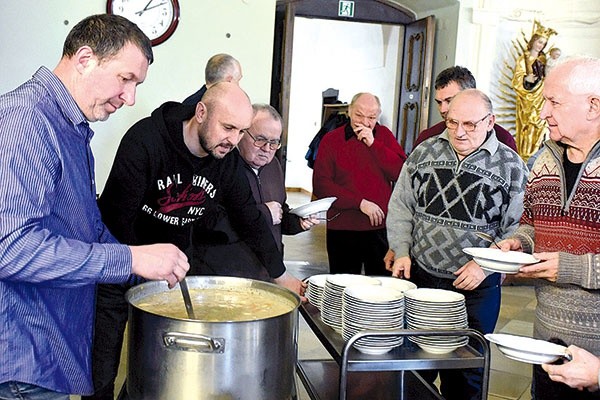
158, 191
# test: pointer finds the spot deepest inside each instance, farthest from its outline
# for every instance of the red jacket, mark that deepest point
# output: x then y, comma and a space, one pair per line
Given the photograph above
351, 171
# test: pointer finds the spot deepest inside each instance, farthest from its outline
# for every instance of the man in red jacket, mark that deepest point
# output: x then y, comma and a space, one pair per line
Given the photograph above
447, 84
358, 163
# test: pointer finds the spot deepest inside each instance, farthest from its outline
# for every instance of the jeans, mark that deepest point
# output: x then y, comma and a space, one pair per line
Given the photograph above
25, 391
483, 307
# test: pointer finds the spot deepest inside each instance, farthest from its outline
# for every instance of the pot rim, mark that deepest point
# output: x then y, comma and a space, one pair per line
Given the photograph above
141, 291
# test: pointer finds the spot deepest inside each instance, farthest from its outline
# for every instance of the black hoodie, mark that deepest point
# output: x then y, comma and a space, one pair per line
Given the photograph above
158, 191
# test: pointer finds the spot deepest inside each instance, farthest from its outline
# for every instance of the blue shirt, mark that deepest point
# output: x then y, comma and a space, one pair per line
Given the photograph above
53, 244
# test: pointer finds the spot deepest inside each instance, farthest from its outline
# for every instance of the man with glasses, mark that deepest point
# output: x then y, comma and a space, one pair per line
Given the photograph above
451, 187
358, 163
263, 171
173, 173
447, 84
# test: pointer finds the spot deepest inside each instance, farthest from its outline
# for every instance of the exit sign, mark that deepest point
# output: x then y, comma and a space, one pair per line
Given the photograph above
346, 9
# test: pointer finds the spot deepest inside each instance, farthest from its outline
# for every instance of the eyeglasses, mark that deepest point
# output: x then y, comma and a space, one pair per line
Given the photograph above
468, 126
274, 144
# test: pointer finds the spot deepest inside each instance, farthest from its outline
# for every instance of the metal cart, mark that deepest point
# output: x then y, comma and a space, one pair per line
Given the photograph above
354, 375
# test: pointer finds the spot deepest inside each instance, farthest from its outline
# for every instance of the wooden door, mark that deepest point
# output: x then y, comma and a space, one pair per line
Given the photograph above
375, 11
417, 68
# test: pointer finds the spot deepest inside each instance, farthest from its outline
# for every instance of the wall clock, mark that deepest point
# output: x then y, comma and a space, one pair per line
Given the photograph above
156, 18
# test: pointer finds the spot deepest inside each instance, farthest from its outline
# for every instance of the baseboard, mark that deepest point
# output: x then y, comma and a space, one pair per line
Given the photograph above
298, 189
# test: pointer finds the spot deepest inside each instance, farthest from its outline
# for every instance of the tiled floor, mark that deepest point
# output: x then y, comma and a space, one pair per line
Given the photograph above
305, 255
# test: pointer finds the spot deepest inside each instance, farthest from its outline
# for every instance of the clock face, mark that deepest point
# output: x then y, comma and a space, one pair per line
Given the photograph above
156, 18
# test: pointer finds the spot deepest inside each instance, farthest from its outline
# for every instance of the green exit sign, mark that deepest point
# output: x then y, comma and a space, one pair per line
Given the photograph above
346, 9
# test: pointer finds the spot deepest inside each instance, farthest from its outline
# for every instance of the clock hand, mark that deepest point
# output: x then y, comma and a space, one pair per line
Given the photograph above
145, 8
150, 8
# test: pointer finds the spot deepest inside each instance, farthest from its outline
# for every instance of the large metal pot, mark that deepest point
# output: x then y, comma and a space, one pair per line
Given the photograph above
178, 358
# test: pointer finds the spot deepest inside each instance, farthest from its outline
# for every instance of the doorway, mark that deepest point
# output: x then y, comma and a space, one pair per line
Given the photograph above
381, 49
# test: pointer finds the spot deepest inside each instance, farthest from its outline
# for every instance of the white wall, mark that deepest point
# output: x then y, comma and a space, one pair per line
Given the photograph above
349, 56
470, 34
490, 26
33, 32
477, 34
446, 27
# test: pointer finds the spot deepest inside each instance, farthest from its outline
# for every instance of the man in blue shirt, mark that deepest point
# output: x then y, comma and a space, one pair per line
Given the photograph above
54, 247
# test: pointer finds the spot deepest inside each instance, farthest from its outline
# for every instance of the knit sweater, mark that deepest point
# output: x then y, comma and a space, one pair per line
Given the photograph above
568, 309
352, 171
439, 202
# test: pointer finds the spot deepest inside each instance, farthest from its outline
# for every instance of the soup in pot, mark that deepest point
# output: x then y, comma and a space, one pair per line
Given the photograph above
218, 304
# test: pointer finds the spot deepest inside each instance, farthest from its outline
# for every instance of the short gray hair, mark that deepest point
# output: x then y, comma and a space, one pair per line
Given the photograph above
358, 95
269, 110
219, 67
583, 77
485, 99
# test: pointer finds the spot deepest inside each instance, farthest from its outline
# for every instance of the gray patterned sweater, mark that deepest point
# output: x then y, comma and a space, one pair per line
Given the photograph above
440, 202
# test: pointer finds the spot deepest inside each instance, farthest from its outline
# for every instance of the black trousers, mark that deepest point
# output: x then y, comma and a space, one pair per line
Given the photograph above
109, 328
348, 251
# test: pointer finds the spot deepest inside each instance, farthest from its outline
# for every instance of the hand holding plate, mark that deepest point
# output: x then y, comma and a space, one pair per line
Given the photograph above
546, 269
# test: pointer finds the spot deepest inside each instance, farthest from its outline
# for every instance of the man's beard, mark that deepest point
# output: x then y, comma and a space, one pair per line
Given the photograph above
212, 150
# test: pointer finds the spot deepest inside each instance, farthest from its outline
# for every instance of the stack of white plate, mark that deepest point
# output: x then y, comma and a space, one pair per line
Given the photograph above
315, 289
396, 283
379, 308
331, 306
436, 309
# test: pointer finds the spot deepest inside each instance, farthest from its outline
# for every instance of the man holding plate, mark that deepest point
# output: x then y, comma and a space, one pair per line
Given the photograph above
257, 147
452, 186
561, 219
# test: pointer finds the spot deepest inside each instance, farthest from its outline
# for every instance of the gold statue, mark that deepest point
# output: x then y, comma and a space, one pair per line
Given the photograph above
528, 83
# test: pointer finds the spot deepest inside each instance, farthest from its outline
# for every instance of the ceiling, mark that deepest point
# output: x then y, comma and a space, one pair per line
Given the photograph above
420, 6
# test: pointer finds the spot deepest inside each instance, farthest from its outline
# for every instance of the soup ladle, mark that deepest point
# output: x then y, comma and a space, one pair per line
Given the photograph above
187, 300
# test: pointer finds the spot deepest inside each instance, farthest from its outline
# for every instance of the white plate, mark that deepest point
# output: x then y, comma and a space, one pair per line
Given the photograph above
434, 296
526, 349
369, 295
341, 281
434, 349
498, 260
318, 280
400, 284
314, 207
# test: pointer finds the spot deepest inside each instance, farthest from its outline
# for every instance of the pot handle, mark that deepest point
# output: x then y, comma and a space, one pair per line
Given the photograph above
193, 342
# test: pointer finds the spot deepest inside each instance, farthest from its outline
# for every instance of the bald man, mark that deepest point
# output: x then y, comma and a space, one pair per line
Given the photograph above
174, 169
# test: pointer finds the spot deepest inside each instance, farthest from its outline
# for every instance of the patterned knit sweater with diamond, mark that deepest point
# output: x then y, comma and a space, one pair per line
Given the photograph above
440, 202
570, 308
